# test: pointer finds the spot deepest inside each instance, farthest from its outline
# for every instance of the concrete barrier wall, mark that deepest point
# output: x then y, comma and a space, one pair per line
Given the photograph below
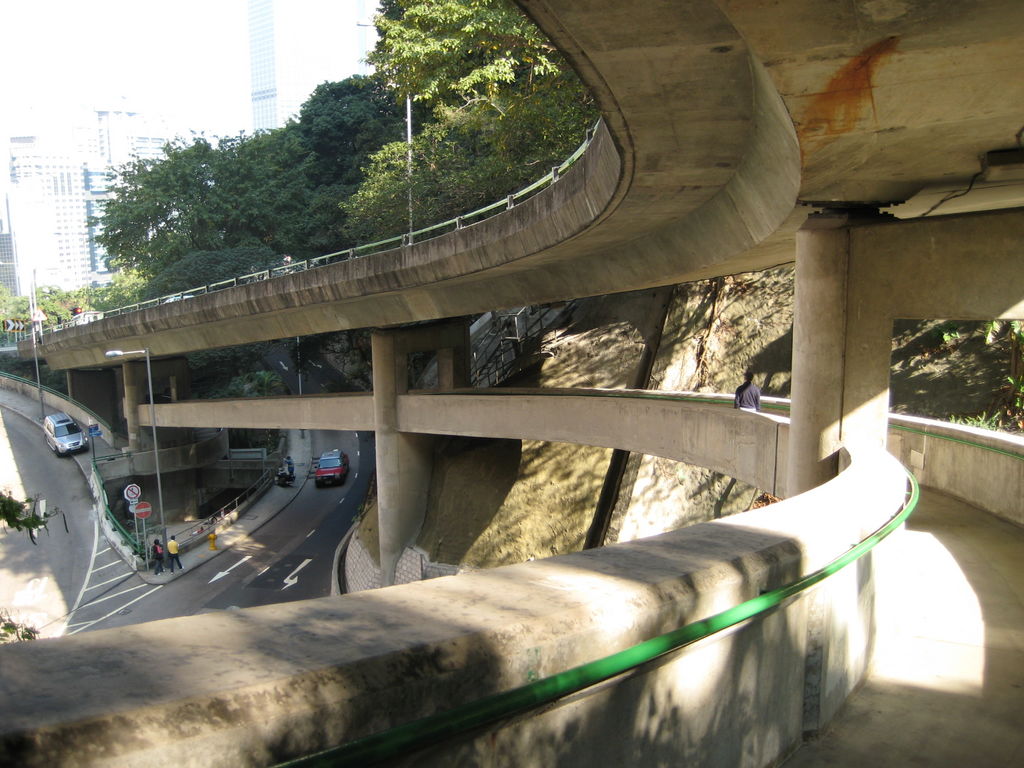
983, 468
55, 402
303, 676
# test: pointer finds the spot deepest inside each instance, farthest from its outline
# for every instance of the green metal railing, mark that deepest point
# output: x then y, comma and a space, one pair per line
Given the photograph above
57, 393
379, 246
409, 737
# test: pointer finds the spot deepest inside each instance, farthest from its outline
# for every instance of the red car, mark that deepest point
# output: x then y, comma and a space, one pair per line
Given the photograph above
331, 468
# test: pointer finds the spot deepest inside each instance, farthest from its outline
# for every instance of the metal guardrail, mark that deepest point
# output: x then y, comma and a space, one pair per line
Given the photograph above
401, 241
220, 518
202, 528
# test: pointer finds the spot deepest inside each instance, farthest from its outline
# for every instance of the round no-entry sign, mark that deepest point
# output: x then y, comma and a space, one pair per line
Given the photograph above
143, 510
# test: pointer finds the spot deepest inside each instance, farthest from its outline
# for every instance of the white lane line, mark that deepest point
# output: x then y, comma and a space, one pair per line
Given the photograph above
110, 581
102, 618
88, 572
116, 594
311, 533
111, 564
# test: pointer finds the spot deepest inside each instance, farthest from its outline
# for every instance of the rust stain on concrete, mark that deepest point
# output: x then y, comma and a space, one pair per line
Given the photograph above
848, 96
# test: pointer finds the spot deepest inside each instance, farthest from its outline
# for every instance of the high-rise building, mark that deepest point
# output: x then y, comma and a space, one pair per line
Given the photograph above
296, 45
58, 180
8, 256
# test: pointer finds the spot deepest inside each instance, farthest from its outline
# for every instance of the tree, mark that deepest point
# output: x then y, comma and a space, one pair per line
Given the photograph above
200, 268
22, 515
506, 108
246, 191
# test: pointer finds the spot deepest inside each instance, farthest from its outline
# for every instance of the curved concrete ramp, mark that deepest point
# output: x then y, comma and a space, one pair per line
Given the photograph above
699, 163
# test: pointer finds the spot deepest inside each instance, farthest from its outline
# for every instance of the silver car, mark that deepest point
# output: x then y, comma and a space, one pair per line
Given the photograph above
63, 435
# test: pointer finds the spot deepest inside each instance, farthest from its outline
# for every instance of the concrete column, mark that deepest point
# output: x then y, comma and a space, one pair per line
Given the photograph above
404, 461
97, 390
842, 338
819, 341
453, 363
133, 376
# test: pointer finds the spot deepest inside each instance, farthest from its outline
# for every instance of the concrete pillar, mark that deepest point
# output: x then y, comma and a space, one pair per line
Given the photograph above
97, 390
842, 331
819, 340
133, 376
403, 460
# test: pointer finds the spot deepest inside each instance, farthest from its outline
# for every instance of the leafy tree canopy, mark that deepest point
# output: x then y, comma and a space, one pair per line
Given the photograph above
246, 191
447, 51
200, 268
506, 108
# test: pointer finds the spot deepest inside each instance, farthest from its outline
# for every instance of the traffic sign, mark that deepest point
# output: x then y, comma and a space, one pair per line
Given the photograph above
94, 431
15, 325
132, 492
143, 509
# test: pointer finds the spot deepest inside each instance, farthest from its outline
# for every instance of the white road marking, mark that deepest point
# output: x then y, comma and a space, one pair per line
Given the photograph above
222, 574
88, 573
292, 578
104, 567
118, 594
88, 624
109, 581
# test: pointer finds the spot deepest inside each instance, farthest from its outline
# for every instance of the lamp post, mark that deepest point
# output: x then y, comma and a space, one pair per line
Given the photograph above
152, 421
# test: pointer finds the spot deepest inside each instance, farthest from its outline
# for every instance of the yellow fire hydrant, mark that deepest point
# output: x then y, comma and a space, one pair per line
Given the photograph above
213, 540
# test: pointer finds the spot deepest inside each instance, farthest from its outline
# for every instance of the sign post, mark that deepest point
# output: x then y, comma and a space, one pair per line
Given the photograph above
132, 493
94, 432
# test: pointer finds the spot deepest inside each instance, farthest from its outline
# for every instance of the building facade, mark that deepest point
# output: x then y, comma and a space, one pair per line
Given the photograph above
58, 180
296, 45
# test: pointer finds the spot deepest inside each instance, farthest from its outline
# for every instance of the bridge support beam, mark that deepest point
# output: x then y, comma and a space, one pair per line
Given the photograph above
404, 459
855, 274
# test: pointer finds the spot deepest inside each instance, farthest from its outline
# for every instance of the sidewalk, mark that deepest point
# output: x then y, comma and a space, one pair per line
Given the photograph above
252, 517
249, 519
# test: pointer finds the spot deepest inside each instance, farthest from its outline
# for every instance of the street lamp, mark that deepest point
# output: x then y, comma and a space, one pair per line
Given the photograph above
152, 421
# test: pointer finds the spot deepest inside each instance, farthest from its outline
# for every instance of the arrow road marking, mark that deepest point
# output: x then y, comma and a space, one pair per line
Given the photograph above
225, 573
291, 578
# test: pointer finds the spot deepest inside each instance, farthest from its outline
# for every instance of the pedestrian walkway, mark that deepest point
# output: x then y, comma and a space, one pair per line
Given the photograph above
249, 519
252, 517
947, 684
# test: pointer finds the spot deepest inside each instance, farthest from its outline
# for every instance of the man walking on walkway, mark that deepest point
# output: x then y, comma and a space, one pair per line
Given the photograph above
748, 395
172, 551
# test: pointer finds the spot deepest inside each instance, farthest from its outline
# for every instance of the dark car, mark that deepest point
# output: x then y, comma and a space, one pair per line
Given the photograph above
331, 468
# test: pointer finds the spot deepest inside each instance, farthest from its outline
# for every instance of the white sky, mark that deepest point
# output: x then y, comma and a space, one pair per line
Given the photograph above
186, 59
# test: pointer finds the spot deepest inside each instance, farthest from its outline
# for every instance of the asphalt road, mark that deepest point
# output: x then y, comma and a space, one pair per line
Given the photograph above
41, 581
290, 557
71, 581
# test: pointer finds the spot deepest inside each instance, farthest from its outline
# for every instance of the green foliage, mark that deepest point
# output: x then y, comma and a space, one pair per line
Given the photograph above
213, 369
127, 287
471, 51
984, 420
200, 268
21, 515
256, 384
12, 631
506, 109
246, 191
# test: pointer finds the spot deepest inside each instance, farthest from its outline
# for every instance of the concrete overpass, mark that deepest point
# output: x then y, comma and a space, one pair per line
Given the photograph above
726, 124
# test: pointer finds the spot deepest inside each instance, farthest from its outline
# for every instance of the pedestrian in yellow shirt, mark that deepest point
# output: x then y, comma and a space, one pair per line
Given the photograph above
172, 551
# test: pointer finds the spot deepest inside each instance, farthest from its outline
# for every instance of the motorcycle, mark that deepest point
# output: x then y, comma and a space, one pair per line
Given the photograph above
285, 478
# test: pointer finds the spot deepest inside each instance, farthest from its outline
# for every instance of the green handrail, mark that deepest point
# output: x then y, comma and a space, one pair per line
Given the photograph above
367, 248
406, 738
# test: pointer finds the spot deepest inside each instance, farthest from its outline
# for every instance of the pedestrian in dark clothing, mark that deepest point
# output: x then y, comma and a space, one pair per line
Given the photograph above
748, 395
158, 557
172, 555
